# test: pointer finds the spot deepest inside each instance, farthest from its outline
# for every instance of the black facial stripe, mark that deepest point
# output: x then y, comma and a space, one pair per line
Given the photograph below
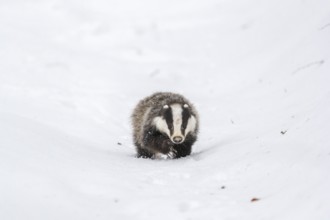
168, 116
185, 117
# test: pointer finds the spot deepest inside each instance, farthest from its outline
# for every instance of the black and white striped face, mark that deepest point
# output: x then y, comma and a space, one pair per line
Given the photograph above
176, 121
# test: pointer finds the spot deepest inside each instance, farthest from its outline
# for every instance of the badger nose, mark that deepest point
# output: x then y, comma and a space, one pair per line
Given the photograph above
177, 139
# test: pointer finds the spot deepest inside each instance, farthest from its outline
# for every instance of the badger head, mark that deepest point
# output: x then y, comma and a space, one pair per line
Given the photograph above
176, 121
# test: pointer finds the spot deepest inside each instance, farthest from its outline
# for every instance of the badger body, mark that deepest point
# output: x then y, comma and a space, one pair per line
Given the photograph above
165, 125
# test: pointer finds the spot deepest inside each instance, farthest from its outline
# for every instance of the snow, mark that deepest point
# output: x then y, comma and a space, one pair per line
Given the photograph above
72, 71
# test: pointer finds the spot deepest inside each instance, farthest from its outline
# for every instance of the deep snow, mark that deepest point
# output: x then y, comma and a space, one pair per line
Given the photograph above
72, 71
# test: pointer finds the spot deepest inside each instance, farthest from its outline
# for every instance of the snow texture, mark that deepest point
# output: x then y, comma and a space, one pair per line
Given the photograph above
72, 71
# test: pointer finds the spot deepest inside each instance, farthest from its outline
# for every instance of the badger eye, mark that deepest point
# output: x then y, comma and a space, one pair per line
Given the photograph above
186, 106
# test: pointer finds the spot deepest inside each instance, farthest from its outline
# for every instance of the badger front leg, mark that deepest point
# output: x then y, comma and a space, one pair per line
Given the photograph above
159, 145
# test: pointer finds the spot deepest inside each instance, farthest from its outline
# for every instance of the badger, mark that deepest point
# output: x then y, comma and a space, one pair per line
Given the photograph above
165, 126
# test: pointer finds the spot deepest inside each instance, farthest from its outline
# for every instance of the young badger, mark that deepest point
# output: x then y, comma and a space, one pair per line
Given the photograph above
165, 125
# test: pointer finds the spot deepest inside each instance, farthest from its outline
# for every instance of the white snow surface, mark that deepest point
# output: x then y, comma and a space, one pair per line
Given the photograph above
72, 71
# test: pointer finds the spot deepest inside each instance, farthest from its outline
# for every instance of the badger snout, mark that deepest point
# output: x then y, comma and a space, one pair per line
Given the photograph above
177, 139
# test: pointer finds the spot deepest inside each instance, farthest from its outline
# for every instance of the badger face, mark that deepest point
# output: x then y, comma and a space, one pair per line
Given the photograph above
176, 121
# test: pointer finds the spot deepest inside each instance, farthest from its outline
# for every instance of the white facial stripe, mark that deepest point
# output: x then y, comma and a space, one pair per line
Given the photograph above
191, 126
161, 125
177, 120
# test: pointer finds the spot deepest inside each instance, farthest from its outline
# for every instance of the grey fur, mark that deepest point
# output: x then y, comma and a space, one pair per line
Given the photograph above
142, 120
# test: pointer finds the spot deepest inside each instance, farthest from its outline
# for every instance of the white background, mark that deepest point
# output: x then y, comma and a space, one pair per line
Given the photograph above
72, 71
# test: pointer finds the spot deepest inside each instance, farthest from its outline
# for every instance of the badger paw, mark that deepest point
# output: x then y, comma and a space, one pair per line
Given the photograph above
160, 156
172, 154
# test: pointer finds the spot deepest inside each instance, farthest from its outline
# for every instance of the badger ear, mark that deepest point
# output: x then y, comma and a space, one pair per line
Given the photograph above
186, 106
165, 107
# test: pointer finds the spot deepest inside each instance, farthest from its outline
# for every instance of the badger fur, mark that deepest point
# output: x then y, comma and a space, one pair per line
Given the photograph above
165, 125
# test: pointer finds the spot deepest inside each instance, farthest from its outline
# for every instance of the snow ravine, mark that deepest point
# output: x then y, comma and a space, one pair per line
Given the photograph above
72, 71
